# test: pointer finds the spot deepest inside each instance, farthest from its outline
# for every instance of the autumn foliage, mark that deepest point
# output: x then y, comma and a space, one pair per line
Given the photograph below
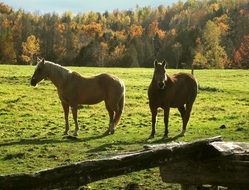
241, 55
30, 48
200, 34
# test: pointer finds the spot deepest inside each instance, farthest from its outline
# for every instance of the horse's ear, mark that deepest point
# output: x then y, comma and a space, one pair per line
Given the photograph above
42, 60
155, 63
164, 63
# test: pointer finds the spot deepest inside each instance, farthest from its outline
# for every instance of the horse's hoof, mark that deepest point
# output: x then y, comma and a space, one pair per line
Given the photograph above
65, 134
112, 132
106, 132
75, 134
71, 137
151, 136
182, 134
165, 136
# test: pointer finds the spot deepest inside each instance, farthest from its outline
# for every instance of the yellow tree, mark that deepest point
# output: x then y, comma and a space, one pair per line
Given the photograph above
136, 30
93, 29
30, 48
154, 29
222, 23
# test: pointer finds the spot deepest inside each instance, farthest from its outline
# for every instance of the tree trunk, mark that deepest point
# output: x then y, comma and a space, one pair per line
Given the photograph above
229, 168
81, 173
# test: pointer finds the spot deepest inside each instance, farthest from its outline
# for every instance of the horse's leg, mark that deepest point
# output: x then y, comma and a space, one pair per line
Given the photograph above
182, 111
111, 116
166, 121
75, 117
66, 112
153, 121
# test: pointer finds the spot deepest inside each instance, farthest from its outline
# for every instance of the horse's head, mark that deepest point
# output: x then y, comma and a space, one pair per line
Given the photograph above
160, 76
39, 73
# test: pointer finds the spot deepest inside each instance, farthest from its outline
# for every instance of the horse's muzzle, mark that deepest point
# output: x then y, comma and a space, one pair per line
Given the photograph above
33, 82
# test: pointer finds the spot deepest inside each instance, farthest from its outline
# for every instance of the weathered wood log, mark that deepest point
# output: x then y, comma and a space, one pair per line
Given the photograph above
81, 173
230, 167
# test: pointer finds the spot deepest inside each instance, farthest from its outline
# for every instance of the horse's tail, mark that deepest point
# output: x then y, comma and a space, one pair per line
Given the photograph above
192, 96
121, 105
195, 90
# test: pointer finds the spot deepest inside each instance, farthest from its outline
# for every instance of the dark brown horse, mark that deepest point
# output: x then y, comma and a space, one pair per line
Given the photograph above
74, 90
176, 91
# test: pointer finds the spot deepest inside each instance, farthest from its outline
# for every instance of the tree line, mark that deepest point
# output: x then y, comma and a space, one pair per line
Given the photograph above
196, 33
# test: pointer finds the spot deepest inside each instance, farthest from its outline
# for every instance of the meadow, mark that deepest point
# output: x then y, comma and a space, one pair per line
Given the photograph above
32, 121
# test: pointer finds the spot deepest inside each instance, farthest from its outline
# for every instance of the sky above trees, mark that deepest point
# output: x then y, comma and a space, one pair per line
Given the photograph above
76, 6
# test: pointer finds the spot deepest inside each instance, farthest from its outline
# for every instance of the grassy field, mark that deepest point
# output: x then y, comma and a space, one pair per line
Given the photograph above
32, 122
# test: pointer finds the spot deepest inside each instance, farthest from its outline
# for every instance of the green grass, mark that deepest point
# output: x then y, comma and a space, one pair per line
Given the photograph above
32, 123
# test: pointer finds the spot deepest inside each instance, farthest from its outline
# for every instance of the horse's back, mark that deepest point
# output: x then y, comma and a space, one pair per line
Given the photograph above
92, 90
185, 86
180, 89
103, 80
109, 80
183, 79
111, 85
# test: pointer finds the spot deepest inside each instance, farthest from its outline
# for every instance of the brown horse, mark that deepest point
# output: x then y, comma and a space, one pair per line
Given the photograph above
74, 90
177, 91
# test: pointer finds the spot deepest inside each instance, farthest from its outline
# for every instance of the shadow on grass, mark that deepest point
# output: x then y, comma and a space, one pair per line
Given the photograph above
40, 141
72, 139
209, 89
166, 139
107, 146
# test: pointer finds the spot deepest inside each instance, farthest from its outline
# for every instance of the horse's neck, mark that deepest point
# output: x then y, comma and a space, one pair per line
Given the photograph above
57, 74
154, 80
168, 82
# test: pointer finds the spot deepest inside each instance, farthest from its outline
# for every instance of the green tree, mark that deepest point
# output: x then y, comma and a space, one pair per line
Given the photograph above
7, 53
214, 52
177, 49
200, 61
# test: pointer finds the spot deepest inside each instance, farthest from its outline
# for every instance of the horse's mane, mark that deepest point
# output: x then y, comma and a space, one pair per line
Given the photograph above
57, 70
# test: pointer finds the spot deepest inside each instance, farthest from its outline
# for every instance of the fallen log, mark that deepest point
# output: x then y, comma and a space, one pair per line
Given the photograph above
81, 173
229, 168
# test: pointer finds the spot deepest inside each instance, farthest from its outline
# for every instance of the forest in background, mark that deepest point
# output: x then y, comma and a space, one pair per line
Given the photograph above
199, 33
